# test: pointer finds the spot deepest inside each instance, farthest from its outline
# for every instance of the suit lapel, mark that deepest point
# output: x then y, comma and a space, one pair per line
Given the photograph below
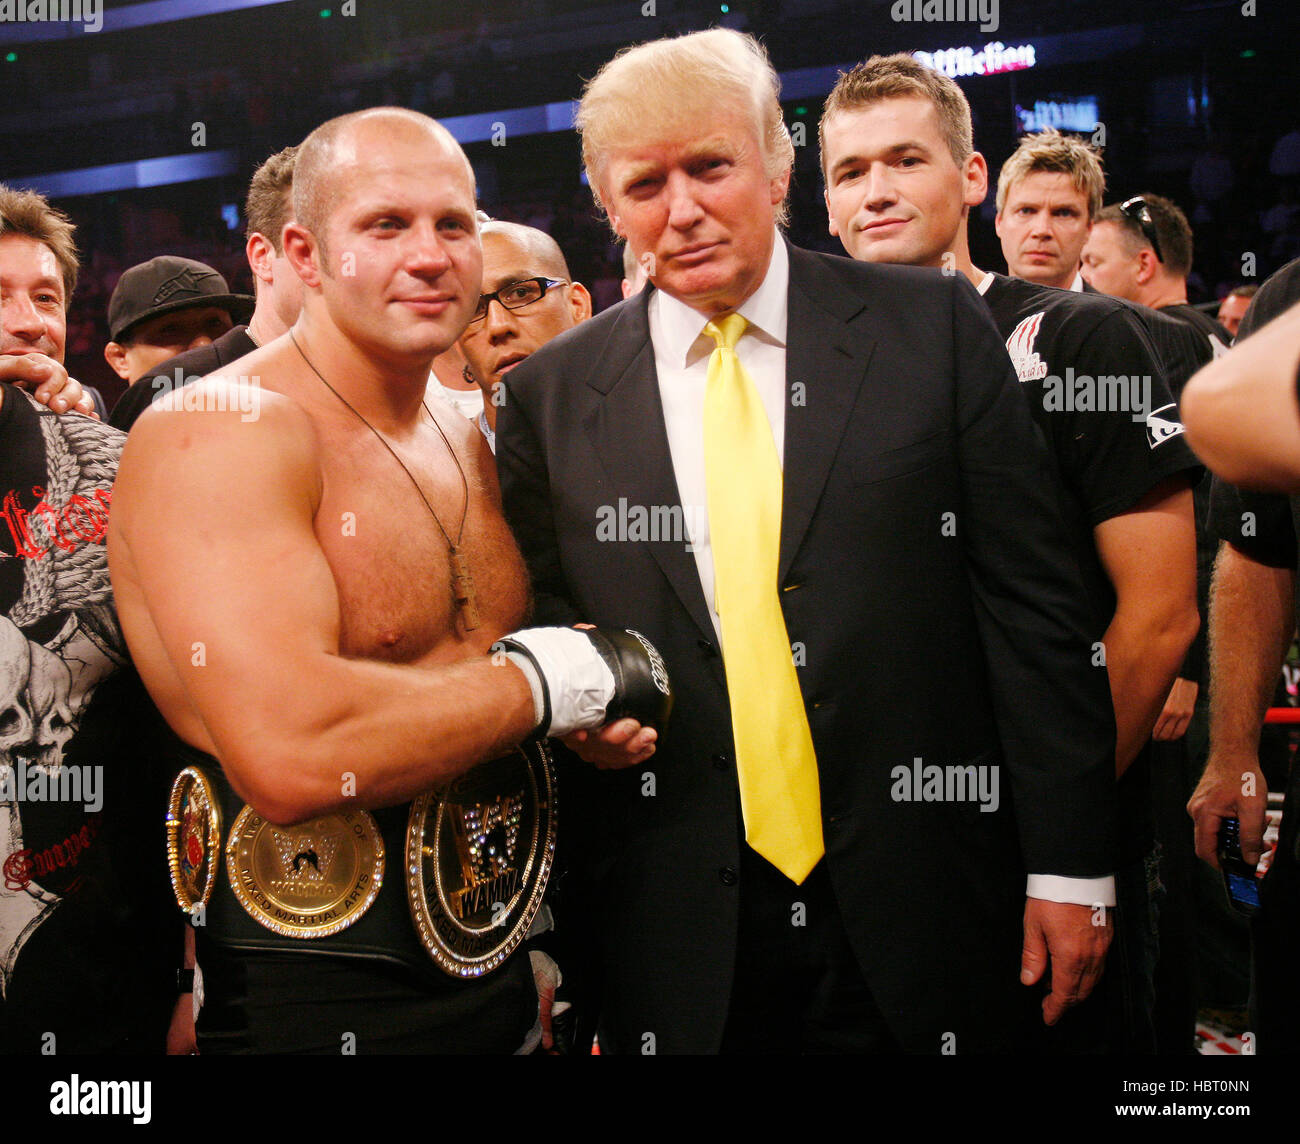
825, 365
626, 427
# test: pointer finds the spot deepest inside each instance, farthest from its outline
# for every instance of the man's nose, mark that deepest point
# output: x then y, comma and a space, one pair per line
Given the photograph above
21, 318
1041, 225
199, 340
499, 321
878, 188
426, 253
683, 207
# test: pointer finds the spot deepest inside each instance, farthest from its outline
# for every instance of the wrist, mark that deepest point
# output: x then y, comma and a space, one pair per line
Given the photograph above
525, 663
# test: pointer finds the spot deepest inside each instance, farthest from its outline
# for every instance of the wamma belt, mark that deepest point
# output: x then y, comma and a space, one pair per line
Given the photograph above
478, 858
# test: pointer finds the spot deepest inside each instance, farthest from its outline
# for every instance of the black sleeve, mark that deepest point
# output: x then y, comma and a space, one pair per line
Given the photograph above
1114, 456
1276, 296
526, 495
128, 408
1258, 525
1052, 705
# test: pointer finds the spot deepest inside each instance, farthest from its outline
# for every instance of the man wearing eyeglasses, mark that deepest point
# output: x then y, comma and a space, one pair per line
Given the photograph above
1141, 250
528, 298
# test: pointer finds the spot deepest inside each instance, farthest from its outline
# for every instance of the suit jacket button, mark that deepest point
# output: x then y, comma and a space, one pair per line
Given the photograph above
721, 762
705, 646
728, 875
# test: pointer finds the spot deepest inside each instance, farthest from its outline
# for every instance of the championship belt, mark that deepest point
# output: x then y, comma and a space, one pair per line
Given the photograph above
193, 838
478, 856
310, 880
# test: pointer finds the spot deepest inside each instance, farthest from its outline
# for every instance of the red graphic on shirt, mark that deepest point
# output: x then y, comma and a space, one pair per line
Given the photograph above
18, 870
80, 520
23, 865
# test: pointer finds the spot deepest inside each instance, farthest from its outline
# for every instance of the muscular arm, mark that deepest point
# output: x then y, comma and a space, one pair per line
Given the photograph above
219, 572
1241, 412
1251, 623
1150, 557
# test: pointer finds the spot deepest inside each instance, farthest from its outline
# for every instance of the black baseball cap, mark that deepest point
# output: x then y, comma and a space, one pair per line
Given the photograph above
169, 283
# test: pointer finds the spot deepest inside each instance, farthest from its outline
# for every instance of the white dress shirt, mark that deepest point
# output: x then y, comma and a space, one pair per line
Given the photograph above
682, 350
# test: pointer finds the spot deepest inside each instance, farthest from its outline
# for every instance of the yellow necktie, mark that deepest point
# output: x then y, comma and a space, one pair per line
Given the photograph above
775, 763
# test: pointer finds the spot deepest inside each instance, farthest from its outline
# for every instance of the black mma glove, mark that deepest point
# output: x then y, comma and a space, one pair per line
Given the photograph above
585, 678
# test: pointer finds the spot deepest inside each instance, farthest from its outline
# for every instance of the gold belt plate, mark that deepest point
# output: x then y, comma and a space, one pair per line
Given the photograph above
478, 857
193, 838
310, 880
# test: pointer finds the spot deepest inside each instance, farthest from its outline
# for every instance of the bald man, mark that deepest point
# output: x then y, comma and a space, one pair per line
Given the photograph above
528, 298
311, 568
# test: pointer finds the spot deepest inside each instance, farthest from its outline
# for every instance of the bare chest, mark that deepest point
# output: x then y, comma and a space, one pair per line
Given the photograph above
391, 559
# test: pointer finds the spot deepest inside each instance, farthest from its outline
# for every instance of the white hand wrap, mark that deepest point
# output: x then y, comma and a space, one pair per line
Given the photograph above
567, 675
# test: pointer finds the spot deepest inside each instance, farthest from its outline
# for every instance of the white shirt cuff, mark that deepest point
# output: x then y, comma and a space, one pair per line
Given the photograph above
1073, 891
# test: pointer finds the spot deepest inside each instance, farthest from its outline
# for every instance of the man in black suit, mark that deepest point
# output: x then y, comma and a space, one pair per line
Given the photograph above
901, 176
928, 615
277, 288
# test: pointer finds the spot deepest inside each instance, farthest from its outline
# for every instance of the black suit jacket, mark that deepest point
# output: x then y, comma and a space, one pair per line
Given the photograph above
924, 570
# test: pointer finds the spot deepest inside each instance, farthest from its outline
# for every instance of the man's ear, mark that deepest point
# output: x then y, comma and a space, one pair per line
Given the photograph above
261, 255
975, 180
303, 253
780, 187
579, 302
115, 355
1148, 265
830, 224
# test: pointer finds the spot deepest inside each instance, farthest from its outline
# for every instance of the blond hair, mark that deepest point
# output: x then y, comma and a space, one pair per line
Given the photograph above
670, 84
891, 77
30, 214
270, 197
1064, 154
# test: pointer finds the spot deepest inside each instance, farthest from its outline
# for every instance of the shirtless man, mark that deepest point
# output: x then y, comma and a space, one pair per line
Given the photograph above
296, 611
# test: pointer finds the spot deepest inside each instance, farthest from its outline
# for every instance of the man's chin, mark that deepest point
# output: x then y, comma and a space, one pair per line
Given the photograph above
1044, 272
886, 252
698, 285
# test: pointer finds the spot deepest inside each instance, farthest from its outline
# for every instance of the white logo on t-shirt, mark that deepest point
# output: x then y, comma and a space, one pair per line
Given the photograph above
1160, 429
1020, 345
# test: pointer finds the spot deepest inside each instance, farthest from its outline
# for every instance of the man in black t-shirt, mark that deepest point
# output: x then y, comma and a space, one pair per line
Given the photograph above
1253, 617
901, 175
1141, 250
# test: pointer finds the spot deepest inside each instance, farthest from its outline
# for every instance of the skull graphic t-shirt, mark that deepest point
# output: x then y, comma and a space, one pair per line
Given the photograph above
84, 949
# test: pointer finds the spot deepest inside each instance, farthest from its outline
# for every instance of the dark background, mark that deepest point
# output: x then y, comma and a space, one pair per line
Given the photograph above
1193, 97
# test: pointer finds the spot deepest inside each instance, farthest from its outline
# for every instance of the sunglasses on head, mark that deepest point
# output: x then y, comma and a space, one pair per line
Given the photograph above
1139, 211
